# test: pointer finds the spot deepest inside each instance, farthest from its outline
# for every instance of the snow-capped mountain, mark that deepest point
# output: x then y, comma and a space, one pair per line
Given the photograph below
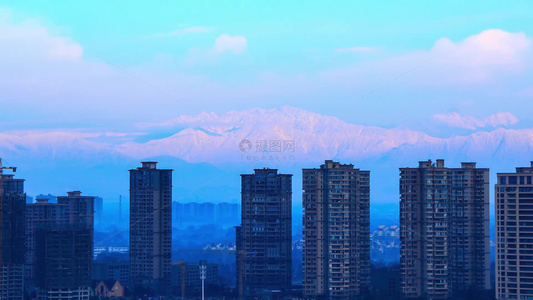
287, 138
216, 139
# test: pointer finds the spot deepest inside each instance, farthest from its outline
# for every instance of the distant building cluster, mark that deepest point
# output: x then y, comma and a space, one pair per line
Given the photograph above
220, 246
385, 244
99, 250
47, 245
188, 213
386, 231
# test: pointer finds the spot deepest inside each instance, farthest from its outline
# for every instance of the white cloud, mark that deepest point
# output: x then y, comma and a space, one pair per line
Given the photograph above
481, 56
183, 31
224, 43
495, 120
484, 57
62, 48
235, 44
45, 74
356, 50
29, 41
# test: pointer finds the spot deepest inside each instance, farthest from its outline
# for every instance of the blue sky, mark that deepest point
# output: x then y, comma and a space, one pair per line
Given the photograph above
82, 79
185, 57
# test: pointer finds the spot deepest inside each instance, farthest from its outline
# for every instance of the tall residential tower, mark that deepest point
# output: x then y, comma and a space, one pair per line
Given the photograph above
12, 202
514, 234
336, 222
444, 230
60, 246
150, 229
42, 213
264, 239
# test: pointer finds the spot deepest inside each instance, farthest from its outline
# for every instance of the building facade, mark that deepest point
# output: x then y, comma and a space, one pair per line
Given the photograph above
63, 262
40, 213
444, 230
514, 234
186, 278
336, 222
61, 251
150, 229
264, 253
80, 209
109, 289
112, 270
385, 282
12, 232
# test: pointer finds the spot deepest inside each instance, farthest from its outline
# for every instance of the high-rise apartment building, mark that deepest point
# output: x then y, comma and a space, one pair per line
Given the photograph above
12, 202
63, 258
150, 229
514, 234
80, 209
50, 198
40, 213
444, 230
264, 238
336, 229
61, 246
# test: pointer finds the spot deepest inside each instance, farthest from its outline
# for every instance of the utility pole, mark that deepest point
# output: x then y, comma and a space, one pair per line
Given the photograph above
203, 273
239, 255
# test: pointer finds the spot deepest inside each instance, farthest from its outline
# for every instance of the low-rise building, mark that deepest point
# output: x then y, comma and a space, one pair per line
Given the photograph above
109, 289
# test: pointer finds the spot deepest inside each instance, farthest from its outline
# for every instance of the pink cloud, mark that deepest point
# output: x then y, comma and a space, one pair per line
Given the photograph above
480, 58
495, 120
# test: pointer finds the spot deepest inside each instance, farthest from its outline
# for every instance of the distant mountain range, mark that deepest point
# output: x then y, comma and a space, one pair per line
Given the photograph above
208, 151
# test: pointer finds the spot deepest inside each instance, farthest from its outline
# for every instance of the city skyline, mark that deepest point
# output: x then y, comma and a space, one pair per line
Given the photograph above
263, 196
266, 150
